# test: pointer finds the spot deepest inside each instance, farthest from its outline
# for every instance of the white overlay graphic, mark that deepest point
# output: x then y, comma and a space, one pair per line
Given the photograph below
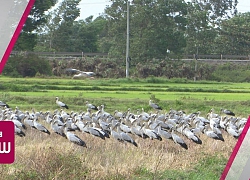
11, 12
240, 168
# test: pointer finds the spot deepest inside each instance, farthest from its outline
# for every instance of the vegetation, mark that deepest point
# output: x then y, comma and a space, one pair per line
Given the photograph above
161, 31
27, 66
42, 156
158, 29
190, 96
30, 65
158, 35
28, 37
39, 156
236, 39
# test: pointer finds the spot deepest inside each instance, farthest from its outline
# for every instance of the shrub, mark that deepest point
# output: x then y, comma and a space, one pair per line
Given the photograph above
27, 65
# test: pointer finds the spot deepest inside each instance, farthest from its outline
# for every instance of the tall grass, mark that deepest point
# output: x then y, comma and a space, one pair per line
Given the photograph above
40, 156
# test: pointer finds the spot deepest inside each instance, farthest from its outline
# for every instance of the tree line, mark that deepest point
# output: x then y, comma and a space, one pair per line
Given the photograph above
30, 65
158, 29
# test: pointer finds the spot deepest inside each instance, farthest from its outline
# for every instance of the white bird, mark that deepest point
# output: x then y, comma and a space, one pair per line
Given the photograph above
94, 131
164, 134
211, 134
124, 128
190, 135
232, 132
28, 121
18, 124
74, 138
154, 105
19, 132
212, 114
103, 112
40, 127
61, 104
118, 114
4, 104
152, 134
125, 137
103, 132
89, 73
136, 129
115, 134
57, 129
144, 116
83, 74
91, 106
227, 112
178, 140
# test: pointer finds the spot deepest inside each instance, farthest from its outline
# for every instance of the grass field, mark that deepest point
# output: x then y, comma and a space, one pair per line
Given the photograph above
42, 156
126, 93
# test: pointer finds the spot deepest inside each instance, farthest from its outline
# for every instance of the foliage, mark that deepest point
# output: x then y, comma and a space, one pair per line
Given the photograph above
63, 37
200, 33
28, 37
174, 70
28, 65
102, 67
86, 34
231, 72
234, 36
61, 33
218, 10
155, 28
158, 29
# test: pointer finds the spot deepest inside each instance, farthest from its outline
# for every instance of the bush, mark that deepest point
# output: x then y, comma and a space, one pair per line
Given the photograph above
231, 73
27, 66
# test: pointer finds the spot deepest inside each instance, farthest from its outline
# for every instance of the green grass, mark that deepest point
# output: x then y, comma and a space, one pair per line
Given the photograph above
207, 168
125, 93
42, 157
125, 89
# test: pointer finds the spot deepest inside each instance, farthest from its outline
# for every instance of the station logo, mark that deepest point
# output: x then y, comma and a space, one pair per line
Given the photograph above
7, 142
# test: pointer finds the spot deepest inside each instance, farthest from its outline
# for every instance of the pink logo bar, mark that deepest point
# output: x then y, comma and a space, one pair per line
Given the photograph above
7, 142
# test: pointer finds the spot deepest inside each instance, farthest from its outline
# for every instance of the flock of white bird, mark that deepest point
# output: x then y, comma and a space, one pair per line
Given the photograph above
125, 126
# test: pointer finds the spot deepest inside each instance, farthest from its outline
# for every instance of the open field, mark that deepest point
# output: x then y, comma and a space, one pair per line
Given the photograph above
41, 93
42, 156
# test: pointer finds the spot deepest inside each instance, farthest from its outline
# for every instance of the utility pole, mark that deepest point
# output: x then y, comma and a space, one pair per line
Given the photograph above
195, 66
127, 44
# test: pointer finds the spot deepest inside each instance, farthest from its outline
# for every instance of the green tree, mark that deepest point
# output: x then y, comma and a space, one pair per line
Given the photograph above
57, 34
87, 33
200, 33
64, 33
48, 30
27, 65
156, 28
217, 10
234, 35
64, 37
28, 37
204, 18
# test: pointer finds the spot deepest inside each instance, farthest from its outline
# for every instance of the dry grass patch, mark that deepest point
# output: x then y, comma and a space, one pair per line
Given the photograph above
43, 156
